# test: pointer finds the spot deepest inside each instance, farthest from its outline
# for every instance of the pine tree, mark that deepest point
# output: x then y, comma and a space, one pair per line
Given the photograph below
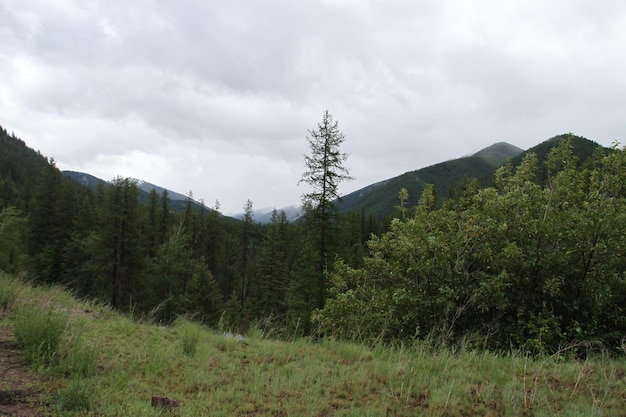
153, 223
117, 246
325, 170
166, 218
246, 233
273, 267
50, 224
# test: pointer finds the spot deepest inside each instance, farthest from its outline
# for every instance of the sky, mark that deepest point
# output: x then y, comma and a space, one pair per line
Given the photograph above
217, 97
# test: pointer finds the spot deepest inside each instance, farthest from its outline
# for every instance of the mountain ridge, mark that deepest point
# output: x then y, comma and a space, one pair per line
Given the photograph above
381, 198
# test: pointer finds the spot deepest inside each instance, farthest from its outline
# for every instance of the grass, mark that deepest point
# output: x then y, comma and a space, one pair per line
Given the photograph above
39, 331
220, 374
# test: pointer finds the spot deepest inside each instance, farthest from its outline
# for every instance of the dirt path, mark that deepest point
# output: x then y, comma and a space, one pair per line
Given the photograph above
23, 393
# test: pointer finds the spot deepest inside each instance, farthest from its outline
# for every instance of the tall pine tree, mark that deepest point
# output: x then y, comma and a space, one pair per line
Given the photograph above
324, 172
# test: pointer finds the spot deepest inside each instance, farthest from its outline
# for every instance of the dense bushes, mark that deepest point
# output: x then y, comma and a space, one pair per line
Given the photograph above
516, 264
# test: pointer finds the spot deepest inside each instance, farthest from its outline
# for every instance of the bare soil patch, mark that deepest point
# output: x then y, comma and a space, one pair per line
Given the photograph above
23, 393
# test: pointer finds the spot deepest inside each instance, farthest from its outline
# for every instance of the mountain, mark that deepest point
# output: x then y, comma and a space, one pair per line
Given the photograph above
84, 179
583, 148
177, 201
20, 167
498, 153
148, 187
264, 215
92, 182
381, 198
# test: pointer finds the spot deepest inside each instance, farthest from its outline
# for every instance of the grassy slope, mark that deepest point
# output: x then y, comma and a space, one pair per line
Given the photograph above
223, 376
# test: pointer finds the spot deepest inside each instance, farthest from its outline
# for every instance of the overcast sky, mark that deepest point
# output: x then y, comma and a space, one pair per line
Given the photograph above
216, 97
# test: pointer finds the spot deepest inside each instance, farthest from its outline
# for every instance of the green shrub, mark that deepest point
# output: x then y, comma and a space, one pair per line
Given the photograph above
39, 333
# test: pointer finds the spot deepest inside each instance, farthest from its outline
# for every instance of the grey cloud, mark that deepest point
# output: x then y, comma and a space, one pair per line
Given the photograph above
411, 82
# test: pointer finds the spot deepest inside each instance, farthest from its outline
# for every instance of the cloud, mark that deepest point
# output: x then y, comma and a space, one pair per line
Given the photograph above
217, 97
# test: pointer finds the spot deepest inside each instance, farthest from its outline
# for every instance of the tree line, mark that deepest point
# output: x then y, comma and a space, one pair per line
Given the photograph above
152, 261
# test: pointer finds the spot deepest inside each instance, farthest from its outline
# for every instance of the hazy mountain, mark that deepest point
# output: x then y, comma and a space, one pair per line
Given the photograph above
92, 182
177, 201
264, 215
83, 178
148, 187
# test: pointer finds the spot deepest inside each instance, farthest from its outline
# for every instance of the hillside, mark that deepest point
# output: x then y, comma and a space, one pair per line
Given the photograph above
583, 148
380, 199
178, 202
102, 363
19, 168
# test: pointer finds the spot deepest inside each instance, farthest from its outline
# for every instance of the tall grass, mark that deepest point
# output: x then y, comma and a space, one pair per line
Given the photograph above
39, 332
77, 396
218, 374
77, 358
190, 335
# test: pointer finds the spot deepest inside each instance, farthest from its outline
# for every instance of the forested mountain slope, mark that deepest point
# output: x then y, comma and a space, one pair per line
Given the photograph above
19, 168
380, 199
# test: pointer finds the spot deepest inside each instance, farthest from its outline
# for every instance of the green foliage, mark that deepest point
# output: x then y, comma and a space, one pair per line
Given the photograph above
519, 263
270, 291
20, 167
202, 296
534, 260
380, 199
39, 332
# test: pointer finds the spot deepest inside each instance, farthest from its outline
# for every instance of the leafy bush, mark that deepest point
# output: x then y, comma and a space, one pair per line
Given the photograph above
530, 264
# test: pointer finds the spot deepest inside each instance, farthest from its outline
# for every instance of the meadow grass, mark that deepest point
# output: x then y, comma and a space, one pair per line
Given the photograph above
220, 374
39, 331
